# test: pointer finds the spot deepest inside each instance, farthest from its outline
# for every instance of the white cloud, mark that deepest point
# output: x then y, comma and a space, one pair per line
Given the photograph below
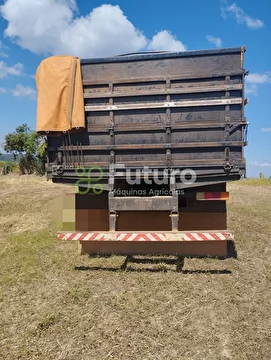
257, 78
24, 91
164, 40
54, 27
265, 164
6, 70
241, 17
265, 129
254, 80
20, 91
251, 89
2, 46
214, 40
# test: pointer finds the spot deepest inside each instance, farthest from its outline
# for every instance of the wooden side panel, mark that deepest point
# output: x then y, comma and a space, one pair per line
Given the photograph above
201, 65
159, 110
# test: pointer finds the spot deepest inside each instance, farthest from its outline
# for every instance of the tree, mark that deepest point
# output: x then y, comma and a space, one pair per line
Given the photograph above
23, 140
29, 147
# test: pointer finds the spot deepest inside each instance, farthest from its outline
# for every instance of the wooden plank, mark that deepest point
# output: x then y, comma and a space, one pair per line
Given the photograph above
172, 91
139, 164
158, 116
190, 76
129, 69
94, 147
172, 104
160, 85
144, 127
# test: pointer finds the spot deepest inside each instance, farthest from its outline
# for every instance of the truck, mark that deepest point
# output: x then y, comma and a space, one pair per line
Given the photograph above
164, 133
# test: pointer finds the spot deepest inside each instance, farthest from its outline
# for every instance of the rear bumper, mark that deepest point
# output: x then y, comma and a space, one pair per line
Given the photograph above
199, 236
195, 244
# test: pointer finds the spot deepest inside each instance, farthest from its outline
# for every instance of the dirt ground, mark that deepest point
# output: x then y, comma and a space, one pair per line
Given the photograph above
55, 304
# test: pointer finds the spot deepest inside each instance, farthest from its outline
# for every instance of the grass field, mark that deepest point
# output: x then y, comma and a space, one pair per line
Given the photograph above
50, 309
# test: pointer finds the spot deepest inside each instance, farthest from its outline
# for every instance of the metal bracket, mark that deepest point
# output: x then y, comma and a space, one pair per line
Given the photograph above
229, 129
233, 127
57, 170
174, 213
112, 221
112, 157
227, 116
174, 220
59, 158
168, 136
111, 123
111, 181
168, 158
112, 152
227, 167
168, 121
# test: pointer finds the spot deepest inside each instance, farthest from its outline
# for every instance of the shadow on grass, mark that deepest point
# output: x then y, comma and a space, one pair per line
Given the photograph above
179, 262
231, 250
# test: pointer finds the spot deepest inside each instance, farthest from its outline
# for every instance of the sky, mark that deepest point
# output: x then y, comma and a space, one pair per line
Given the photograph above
31, 30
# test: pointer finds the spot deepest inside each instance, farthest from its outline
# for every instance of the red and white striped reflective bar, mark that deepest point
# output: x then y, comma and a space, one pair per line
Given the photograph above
137, 236
212, 196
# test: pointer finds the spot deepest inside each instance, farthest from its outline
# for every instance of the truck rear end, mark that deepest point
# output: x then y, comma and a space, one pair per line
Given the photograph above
164, 133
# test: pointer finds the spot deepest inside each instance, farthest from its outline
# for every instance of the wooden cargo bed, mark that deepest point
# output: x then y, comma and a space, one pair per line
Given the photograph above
161, 110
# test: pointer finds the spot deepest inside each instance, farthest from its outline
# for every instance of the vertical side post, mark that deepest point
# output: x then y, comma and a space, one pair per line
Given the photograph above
175, 211
112, 212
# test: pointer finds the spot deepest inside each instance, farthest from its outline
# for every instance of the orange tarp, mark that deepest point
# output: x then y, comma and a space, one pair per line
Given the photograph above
60, 104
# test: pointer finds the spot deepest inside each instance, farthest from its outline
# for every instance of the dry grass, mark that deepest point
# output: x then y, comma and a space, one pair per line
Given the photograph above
52, 310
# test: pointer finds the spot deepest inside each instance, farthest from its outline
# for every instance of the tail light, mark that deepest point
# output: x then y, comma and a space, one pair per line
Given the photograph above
212, 196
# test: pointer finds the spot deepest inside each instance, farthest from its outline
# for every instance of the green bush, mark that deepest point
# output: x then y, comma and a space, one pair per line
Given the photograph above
7, 167
28, 148
31, 165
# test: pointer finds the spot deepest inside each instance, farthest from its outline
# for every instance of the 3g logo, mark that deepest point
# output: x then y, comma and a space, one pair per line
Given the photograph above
87, 181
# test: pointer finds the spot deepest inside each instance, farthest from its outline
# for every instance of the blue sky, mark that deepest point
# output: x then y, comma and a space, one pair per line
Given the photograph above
31, 30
